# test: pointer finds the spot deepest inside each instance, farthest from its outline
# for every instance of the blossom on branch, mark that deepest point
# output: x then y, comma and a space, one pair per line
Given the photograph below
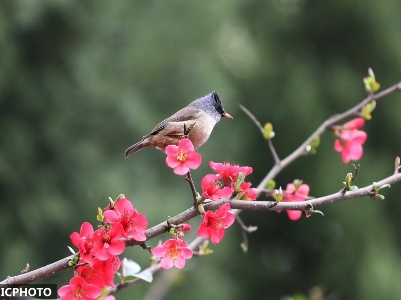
246, 192
133, 223
229, 173
214, 223
99, 273
213, 189
79, 289
350, 140
173, 252
295, 193
182, 157
84, 241
108, 242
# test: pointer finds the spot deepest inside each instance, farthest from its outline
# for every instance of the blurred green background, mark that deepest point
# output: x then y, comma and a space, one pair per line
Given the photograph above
80, 81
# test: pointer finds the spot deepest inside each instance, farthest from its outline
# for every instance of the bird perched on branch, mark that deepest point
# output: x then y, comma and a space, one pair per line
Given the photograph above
200, 116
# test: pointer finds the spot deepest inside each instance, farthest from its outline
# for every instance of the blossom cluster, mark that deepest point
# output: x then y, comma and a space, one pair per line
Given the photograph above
228, 182
97, 260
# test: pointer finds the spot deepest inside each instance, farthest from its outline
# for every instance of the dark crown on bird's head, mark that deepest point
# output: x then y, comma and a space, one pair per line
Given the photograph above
210, 103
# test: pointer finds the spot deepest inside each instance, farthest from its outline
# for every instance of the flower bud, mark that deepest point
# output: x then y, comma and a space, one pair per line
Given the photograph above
185, 227
268, 132
278, 195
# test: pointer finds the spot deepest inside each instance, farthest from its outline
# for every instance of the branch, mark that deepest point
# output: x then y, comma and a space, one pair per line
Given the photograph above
279, 166
190, 213
40, 273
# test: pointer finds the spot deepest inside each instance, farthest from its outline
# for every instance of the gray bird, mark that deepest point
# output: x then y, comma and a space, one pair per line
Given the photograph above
204, 113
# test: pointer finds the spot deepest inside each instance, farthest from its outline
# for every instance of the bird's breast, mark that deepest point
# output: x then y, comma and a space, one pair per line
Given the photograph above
204, 125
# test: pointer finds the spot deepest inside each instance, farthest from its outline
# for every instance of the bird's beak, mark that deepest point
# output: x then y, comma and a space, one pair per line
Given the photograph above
226, 115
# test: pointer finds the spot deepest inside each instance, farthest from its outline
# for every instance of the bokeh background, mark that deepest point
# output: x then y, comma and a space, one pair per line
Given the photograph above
80, 81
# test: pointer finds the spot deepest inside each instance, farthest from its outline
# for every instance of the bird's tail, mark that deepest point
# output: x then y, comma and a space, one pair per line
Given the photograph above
134, 148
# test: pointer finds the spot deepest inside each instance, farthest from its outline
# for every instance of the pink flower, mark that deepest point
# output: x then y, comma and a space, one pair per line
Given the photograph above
98, 272
350, 139
350, 144
134, 223
92, 273
173, 252
246, 192
84, 241
212, 188
214, 223
229, 173
79, 289
182, 157
110, 267
293, 194
108, 242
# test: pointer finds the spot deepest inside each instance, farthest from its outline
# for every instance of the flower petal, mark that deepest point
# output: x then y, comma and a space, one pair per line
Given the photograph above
186, 144
171, 149
166, 262
194, 160
181, 169
294, 214
179, 262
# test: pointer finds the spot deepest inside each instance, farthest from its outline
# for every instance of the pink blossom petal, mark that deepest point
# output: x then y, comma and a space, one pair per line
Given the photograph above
93, 291
166, 262
294, 214
124, 204
359, 137
159, 251
229, 220
355, 151
171, 149
223, 193
186, 253
203, 231
181, 169
186, 144
216, 235
179, 262
194, 160
354, 124
86, 228
337, 146
172, 161
64, 290
117, 247
217, 167
303, 191
111, 216
290, 188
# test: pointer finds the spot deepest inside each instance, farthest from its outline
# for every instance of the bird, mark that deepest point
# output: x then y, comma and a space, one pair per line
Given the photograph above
200, 116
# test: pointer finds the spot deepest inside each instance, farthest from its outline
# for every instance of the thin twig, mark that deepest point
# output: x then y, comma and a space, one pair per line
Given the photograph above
188, 178
262, 130
253, 118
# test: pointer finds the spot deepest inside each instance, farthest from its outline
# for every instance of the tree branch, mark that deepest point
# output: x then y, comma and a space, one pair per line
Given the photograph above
279, 166
239, 205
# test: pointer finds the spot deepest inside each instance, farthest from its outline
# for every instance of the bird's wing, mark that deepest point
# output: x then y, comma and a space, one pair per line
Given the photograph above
185, 114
